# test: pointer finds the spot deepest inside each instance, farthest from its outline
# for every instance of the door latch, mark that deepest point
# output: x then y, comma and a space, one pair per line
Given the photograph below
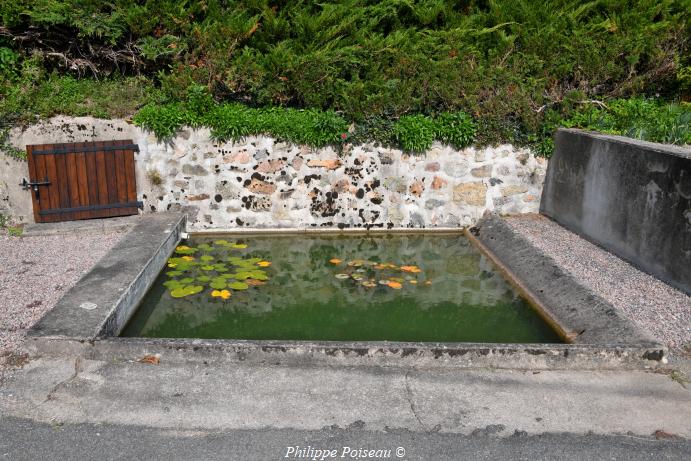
33, 185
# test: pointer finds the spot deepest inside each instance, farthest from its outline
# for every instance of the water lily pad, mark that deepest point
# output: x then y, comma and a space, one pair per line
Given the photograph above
207, 258
204, 247
254, 282
384, 282
220, 268
238, 286
221, 242
185, 250
342, 276
239, 246
173, 273
203, 278
335, 261
186, 291
188, 258
394, 285
186, 280
207, 268
243, 275
171, 284
369, 284
263, 263
218, 284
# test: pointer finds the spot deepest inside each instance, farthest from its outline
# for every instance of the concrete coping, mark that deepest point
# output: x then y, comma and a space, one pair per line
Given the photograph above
89, 318
671, 149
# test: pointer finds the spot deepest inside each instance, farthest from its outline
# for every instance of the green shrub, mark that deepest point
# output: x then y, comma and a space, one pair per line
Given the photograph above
415, 133
456, 129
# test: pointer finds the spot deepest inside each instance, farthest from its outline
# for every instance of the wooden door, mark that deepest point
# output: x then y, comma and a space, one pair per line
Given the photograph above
82, 180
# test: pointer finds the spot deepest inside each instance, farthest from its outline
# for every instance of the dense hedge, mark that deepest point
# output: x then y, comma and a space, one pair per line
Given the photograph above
517, 67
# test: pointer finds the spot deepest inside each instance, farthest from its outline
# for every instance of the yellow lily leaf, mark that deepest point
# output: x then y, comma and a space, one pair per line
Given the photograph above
263, 263
188, 258
335, 261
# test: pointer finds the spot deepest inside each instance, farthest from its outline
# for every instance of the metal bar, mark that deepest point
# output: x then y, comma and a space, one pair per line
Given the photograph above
137, 204
87, 149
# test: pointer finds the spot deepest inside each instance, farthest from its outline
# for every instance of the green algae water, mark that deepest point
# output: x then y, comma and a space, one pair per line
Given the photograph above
414, 287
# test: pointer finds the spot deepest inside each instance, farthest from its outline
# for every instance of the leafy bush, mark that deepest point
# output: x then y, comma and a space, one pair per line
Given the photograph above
456, 129
415, 133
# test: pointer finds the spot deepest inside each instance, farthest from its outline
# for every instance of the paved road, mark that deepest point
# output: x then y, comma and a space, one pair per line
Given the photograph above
22, 439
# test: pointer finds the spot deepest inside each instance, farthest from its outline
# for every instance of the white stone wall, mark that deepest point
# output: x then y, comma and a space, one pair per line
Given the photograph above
262, 183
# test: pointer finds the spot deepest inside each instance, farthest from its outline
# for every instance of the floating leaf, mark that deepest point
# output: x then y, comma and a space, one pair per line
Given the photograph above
414, 282
174, 273
428, 282
357, 277
205, 247
186, 291
238, 286
396, 279
221, 242
342, 276
171, 284
369, 284
218, 284
207, 258
203, 278
188, 258
220, 268
394, 285
225, 294
243, 275
254, 282
185, 250
207, 268
384, 282
335, 261
172, 265
412, 269
263, 264
380, 266
239, 246
186, 280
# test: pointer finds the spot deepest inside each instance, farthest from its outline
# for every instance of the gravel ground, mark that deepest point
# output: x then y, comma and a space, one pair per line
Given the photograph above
655, 306
35, 272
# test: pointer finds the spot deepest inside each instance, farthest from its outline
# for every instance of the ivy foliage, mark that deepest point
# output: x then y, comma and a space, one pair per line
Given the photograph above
233, 121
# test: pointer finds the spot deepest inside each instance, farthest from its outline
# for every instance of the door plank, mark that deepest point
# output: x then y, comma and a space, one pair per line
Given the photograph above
53, 189
102, 170
73, 180
32, 177
64, 188
83, 183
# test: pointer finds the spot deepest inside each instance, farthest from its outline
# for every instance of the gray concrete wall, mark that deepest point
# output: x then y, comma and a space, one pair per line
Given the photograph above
631, 197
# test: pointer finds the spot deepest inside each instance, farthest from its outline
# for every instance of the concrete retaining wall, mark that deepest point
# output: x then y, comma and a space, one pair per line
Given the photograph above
262, 183
631, 197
